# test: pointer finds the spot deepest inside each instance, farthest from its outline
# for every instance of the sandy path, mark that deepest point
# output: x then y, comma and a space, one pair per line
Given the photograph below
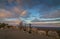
15, 34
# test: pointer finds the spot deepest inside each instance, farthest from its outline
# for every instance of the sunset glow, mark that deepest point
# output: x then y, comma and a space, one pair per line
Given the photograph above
42, 11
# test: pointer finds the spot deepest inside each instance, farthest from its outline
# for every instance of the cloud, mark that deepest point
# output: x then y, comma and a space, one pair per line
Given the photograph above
13, 13
5, 14
10, 21
9, 1
19, 12
13, 21
35, 20
20, 9
31, 3
23, 13
19, 1
52, 14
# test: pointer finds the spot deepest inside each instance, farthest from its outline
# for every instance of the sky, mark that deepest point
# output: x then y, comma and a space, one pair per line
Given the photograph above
15, 11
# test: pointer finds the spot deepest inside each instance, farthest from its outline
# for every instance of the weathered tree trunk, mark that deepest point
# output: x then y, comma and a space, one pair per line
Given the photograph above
24, 28
47, 32
21, 26
30, 28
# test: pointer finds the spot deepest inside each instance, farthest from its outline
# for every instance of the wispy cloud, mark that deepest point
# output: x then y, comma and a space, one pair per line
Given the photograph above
52, 14
19, 11
12, 17
5, 14
13, 21
29, 9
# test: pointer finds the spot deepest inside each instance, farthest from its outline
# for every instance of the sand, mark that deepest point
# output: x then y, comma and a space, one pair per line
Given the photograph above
20, 34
